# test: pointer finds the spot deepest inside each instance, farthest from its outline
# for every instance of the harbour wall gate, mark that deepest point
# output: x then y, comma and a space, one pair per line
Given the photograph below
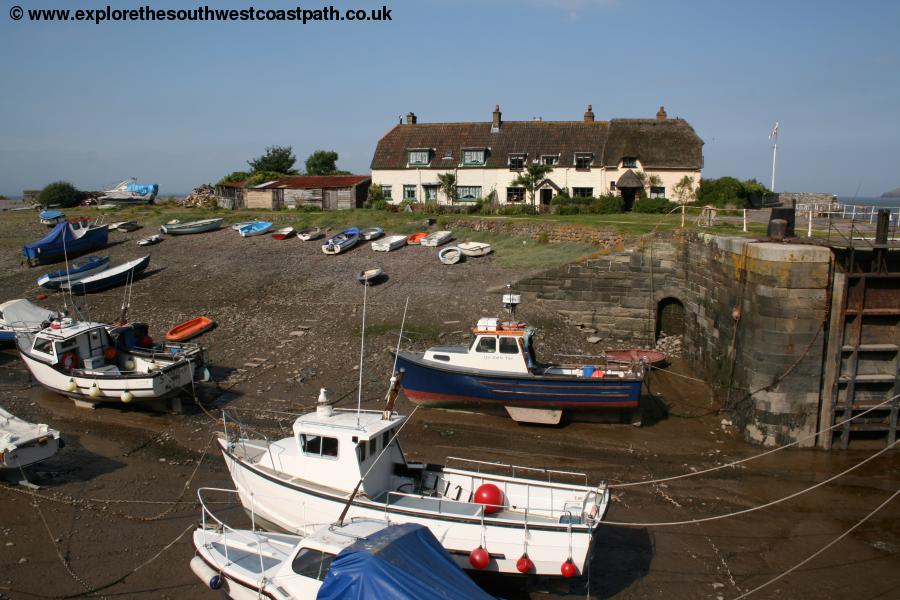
794, 338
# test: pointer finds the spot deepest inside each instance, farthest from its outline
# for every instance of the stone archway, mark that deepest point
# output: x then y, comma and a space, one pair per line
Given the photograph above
669, 317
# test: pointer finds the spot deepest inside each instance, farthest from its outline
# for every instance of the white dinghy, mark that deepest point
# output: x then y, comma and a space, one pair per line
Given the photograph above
437, 238
23, 443
391, 242
474, 248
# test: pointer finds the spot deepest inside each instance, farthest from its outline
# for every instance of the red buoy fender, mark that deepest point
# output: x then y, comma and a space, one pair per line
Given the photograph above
568, 569
479, 558
68, 360
491, 496
524, 564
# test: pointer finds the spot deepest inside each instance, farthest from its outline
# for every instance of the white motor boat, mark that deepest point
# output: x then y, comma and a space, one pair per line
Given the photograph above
474, 248
23, 317
23, 443
130, 191
93, 362
391, 242
437, 238
358, 558
337, 458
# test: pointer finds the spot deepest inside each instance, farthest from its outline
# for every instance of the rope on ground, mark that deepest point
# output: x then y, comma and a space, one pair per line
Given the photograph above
821, 550
755, 508
755, 456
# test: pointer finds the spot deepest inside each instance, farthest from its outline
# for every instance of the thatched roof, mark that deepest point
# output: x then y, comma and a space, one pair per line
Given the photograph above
657, 144
629, 180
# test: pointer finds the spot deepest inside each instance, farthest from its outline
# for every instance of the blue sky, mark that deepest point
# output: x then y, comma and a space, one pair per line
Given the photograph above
181, 104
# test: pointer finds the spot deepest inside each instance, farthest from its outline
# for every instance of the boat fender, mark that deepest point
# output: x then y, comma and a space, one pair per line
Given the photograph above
568, 569
524, 564
71, 386
94, 391
479, 558
490, 496
109, 353
127, 396
146, 341
69, 360
202, 570
598, 374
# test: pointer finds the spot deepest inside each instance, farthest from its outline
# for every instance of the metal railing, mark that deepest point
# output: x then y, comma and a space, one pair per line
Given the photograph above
225, 529
513, 468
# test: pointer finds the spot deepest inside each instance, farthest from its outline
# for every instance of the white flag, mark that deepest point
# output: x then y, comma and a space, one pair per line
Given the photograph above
774, 134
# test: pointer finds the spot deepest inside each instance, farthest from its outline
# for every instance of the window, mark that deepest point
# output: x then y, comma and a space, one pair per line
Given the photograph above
487, 344
629, 162
386, 439
612, 185
386, 192
316, 445
550, 160
468, 192
583, 160
362, 450
312, 563
515, 194
43, 345
448, 155
473, 157
516, 162
409, 192
431, 192
508, 345
657, 192
418, 157
582, 192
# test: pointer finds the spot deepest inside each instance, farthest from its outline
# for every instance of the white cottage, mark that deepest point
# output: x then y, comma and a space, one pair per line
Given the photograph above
633, 158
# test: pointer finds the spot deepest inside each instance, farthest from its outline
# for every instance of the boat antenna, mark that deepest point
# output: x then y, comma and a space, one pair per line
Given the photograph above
68, 276
362, 347
400, 337
394, 387
511, 300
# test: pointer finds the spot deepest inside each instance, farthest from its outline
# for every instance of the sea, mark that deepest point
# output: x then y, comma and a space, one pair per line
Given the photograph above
877, 201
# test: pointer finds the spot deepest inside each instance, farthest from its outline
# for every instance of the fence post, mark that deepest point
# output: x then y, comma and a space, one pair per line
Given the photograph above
683, 208
809, 227
745, 220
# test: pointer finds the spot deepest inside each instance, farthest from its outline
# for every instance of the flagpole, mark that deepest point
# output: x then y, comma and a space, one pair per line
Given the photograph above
774, 153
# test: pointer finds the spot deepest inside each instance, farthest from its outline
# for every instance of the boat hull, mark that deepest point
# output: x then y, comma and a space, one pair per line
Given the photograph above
101, 281
424, 383
291, 505
52, 281
191, 228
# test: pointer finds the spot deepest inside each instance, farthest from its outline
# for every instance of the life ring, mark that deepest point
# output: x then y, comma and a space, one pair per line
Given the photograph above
109, 353
598, 374
68, 360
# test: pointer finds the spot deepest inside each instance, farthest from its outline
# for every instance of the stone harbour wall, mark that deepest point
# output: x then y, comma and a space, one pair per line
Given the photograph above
768, 301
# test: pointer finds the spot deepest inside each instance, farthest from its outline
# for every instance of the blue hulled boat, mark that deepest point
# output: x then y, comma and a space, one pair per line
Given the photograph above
66, 239
91, 265
108, 278
51, 217
342, 241
499, 368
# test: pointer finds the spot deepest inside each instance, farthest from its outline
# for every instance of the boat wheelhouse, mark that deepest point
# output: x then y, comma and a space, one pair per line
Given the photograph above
340, 460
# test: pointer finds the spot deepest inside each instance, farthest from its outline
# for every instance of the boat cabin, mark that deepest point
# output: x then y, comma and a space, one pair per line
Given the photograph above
340, 446
497, 346
91, 348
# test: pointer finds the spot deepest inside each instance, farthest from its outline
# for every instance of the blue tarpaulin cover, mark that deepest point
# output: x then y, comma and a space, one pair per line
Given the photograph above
144, 189
51, 245
400, 562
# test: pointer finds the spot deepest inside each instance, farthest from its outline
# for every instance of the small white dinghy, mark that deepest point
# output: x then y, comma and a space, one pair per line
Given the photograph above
437, 238
450, 255
149, 241
309, 234
370, 276
23, 443
474, 248
391, 242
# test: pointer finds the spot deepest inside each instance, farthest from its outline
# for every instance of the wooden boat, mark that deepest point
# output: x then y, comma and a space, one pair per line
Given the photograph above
191, 227
417, 238
126, 226
635, 355
90, 265
95, 362
369, 276
371, 233
304, 480
149, 241
51, 217
499, 368
450, 255
108, 278
255, 228
189, 329
23, 443
342, 241
437, 238
360, 558
309, 234
283, 233
391, 242
474, 248
67, 239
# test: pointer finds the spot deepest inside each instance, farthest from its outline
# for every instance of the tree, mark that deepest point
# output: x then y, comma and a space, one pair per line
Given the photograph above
234, 177
684, 190
448, 185
277, 159
531, 178
323, 162
62, 193
652, 182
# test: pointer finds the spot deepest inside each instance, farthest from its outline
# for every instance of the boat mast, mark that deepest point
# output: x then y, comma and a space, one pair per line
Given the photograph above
362, 346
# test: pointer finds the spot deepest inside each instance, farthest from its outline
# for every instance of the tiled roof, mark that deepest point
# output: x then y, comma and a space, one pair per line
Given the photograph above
315, 182
669, 143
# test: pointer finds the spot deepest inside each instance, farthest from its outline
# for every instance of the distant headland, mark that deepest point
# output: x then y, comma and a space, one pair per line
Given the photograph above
894, 193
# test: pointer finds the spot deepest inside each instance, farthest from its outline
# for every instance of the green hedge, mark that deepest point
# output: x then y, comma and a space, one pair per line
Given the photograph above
62, 193
567, 205
654, 205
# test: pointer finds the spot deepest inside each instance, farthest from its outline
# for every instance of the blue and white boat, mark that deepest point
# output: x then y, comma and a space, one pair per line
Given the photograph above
66, 240
371, 233
90, 265
108, 278
499, 368
342, 241
131, 192
21, 316
255, 228
51, 217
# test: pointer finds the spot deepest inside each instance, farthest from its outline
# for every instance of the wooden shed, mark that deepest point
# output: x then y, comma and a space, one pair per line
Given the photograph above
331, 192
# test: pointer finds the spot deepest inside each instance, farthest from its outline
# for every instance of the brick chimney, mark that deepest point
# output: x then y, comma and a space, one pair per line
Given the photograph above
495, 124
411, 118
589, 115
661, 115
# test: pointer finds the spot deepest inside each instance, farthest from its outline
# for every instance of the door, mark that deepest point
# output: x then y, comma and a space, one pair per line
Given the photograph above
330, 200
546, 196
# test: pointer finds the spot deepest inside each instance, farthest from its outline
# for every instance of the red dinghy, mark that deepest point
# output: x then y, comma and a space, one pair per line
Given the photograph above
189, 329
417, 238
283, 233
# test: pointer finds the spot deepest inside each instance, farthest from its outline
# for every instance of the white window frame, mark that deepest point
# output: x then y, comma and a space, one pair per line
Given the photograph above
589, 155
657, 191
575, 193
415, 191
474, 163
514, 187
463, 197
550, 160
421, 152
386, 192
519, 156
